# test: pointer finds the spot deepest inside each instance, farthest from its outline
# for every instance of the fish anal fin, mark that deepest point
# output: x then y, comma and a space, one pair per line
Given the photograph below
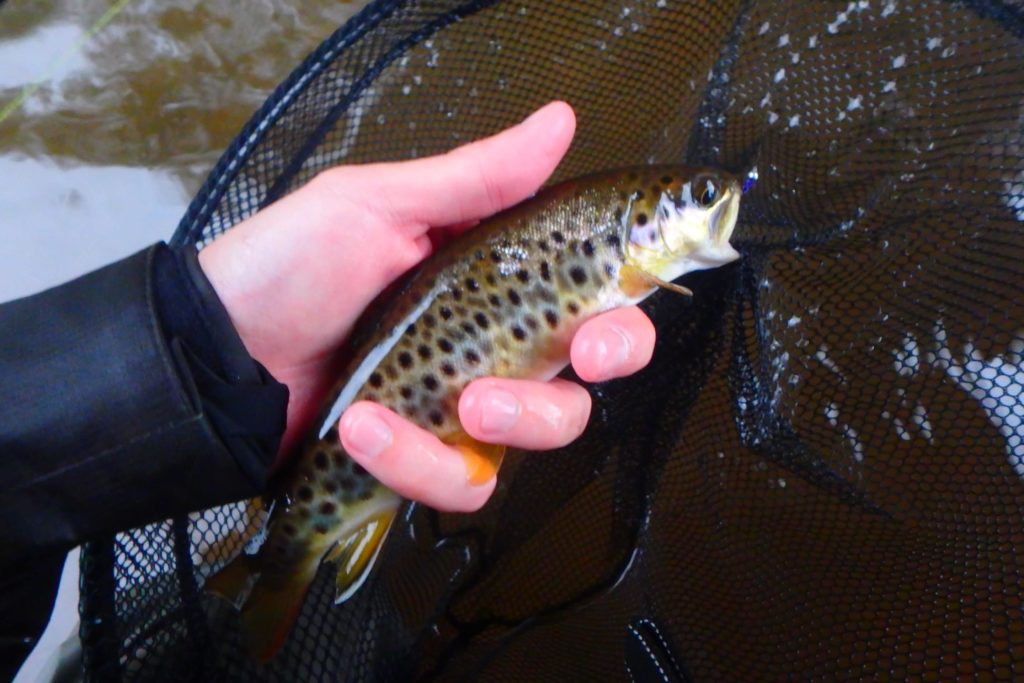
636, 282
356, 554
482, 459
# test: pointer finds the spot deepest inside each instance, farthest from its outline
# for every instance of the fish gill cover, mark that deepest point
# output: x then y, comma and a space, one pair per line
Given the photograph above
820, 474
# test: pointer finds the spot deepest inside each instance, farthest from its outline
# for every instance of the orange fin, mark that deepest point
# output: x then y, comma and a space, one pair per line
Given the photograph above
635, 281
356, 554
482, 459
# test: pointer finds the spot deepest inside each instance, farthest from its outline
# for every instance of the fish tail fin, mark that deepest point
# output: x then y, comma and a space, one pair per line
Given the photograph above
268, 609
270, 612
356, 554
234, 581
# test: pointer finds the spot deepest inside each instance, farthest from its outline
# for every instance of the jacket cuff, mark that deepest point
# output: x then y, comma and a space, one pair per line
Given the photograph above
117, 416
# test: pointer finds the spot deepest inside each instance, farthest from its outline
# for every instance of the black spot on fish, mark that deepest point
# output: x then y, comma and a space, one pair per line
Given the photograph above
365, 494
496, 256
609, 269
482, 321
330, 487
518, 332
490, 279
523, 275
666, 179
424, 352
514, 297
446, 313
406, 392
572, 307
469, 329
338, 459
411, 330
405, 359
430, 382
288, 529
543, 245
588, 248
638, 195
445, 345
327, 508
436, 418
457, 294
531, 322
409, 410
347, 484
578, 275
320, 527
479, 255
429, 320
641, 218
558, 237
545, 271
376, 380
320, 460
472, 285
332, 435
495, 300
448, 369
305, 493
551, 317
472, 357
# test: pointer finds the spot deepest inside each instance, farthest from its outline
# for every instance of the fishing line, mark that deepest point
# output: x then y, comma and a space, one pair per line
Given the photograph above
31, 88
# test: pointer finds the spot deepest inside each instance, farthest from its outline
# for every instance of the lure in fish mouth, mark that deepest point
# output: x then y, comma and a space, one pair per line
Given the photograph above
505, 300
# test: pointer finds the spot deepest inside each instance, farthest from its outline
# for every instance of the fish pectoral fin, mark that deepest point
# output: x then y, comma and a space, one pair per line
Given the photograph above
482, 459
356, 554
635, 282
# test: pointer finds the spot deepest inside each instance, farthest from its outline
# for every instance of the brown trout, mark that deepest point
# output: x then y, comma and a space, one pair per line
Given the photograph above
504, 299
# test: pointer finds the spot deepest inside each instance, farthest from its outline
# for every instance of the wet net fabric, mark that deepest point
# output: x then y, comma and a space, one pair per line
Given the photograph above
819, 477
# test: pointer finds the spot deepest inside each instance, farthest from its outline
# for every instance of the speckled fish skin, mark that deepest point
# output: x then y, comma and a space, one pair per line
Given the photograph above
505, 300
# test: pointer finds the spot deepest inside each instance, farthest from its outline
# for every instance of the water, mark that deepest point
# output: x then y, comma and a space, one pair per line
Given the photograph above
110, 133
121, 125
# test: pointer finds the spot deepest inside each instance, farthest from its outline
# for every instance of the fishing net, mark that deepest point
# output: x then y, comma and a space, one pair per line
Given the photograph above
820, 474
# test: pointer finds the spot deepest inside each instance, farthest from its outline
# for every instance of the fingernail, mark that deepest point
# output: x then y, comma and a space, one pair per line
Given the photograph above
499, 411
612, 349
365, 434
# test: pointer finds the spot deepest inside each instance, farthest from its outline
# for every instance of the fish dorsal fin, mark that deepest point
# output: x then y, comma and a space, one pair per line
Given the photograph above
356, 554
635, 282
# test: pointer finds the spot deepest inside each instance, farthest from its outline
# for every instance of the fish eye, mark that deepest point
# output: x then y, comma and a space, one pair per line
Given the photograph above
704, 191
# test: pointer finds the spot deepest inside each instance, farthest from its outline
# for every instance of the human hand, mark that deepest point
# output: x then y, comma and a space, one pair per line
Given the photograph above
295, 277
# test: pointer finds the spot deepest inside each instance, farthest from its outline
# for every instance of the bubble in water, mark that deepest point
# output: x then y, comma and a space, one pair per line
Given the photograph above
764, 28
784, 40
780, 74
854, 103
899, 61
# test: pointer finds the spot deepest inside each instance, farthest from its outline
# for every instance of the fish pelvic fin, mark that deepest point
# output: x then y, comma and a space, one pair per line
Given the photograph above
356, 554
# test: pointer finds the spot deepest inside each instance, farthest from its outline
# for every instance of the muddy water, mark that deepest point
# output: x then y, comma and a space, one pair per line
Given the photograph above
115, 112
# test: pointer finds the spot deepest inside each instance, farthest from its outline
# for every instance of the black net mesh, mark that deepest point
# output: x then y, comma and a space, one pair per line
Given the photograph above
819, 476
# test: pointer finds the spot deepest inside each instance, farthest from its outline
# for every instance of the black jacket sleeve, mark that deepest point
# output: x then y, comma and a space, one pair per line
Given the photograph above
127, 398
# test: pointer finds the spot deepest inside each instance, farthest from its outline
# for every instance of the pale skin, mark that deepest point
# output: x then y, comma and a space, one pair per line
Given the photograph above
295, 276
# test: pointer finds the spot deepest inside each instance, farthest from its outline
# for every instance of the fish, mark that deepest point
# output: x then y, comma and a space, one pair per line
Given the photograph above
503, 299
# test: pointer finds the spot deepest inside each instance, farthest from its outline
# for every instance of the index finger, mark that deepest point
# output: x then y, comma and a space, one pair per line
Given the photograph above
472, 181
